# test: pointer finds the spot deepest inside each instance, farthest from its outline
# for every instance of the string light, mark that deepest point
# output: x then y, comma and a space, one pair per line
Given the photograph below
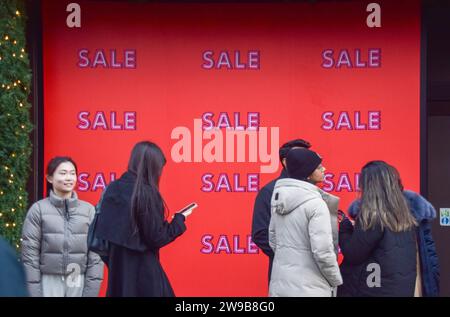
17, 12
15, 42
1, 214
12, 209
14, 54
6, 37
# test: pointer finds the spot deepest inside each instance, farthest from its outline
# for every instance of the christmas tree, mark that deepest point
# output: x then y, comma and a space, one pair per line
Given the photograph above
15, 125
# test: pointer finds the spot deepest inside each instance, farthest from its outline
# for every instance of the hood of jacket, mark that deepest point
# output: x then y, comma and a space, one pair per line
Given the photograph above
289, 194
419, 206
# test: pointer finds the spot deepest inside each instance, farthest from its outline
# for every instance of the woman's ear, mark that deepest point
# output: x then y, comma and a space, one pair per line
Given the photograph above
49, 179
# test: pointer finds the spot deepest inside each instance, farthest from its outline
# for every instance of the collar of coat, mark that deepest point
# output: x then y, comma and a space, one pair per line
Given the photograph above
59, 202
128, 177
419, 206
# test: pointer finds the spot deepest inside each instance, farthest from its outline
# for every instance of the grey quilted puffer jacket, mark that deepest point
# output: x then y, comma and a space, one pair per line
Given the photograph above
54, 236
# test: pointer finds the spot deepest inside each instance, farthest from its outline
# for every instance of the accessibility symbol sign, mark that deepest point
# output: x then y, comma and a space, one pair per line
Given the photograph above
445, 216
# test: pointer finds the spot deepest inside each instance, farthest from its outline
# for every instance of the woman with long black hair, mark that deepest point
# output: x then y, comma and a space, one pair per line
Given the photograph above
133, 220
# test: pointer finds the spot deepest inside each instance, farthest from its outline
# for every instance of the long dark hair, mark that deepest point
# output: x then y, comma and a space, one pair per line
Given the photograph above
53, 165
382, 200
146, 162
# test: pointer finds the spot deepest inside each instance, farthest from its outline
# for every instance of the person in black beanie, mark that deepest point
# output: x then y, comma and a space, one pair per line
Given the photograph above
302, 163
261, 210
300, 232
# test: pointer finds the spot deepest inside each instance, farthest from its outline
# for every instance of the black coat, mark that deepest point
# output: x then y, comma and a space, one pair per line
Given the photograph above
133, 263
261, 219
424, 213
394, 253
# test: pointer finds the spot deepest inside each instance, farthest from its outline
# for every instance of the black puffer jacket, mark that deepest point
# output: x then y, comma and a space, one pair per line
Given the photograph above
366, 253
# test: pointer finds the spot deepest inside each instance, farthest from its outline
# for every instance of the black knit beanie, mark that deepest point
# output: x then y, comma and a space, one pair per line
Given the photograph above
301, 163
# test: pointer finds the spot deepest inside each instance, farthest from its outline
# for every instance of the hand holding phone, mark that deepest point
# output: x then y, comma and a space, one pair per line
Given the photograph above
186, 211
341, 216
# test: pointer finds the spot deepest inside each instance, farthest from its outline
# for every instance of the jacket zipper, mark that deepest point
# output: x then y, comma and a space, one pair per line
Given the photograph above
65, 247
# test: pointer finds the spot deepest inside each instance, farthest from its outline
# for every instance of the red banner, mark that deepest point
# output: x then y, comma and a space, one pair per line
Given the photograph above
220, 87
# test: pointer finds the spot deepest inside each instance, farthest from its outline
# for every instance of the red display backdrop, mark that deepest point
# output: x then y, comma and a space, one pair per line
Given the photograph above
274, 71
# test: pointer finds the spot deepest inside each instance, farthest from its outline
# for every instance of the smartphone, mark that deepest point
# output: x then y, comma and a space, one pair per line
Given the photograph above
188, 208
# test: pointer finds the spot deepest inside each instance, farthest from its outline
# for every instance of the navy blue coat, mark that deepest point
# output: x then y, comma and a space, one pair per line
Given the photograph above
12, 274
261, 219
133, 262
424, 213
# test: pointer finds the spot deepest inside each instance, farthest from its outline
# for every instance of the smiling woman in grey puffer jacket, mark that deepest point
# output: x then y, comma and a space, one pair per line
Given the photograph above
300, 232
54, 239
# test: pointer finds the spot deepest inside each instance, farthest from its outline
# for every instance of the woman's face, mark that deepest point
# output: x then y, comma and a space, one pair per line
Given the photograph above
64, 178
318, 175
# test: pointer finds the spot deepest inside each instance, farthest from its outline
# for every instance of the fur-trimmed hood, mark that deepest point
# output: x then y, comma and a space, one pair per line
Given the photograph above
419, 206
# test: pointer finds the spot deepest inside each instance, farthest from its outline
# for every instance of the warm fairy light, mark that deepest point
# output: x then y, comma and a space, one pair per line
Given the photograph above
15, 42
6, 37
